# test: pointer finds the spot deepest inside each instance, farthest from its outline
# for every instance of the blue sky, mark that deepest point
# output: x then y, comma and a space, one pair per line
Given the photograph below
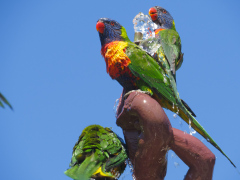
55, 78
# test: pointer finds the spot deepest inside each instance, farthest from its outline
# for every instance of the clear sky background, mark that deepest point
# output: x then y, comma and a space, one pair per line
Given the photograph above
52, 73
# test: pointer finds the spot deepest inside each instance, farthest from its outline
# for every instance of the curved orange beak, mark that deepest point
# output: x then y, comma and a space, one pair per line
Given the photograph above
153, 13
100, 27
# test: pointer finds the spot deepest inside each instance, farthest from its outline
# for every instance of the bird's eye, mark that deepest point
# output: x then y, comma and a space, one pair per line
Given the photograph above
164, 11
112, 23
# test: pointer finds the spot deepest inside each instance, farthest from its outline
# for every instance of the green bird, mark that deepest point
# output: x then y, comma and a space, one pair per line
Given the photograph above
135, 69
168, 36
99, 153
165, 47
4, 100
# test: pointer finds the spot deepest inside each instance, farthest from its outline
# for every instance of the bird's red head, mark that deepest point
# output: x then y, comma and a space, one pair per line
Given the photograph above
100, 27
153, 13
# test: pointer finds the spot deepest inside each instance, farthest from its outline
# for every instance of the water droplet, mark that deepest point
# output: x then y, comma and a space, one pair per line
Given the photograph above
191, 130
143, 23
176, 164
189, 125
130, 165
177, 111
180, 123
173, 155
115, 107
175, 116
165, 81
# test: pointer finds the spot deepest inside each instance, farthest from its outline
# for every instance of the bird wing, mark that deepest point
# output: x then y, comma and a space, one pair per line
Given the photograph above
96, 152
171, 44
147, 69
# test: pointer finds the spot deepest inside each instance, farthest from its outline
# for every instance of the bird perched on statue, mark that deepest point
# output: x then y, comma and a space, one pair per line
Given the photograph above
4, 100
98, 153
169, 37
135, 69
164, 45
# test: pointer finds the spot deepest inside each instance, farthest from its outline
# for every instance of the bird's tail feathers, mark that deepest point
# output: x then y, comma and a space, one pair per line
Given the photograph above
187, 117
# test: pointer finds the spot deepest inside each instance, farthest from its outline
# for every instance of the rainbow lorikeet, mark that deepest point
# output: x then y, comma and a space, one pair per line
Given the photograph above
98, 153
164, 45
4, 100
135, 69
168, 36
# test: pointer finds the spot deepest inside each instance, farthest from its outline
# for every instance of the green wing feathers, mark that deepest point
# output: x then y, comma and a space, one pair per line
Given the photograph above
86, 169
163, 88
171, 44
150, 73
99, 152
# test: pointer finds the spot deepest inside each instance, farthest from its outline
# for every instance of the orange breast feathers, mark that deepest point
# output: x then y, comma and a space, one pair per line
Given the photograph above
115, 58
